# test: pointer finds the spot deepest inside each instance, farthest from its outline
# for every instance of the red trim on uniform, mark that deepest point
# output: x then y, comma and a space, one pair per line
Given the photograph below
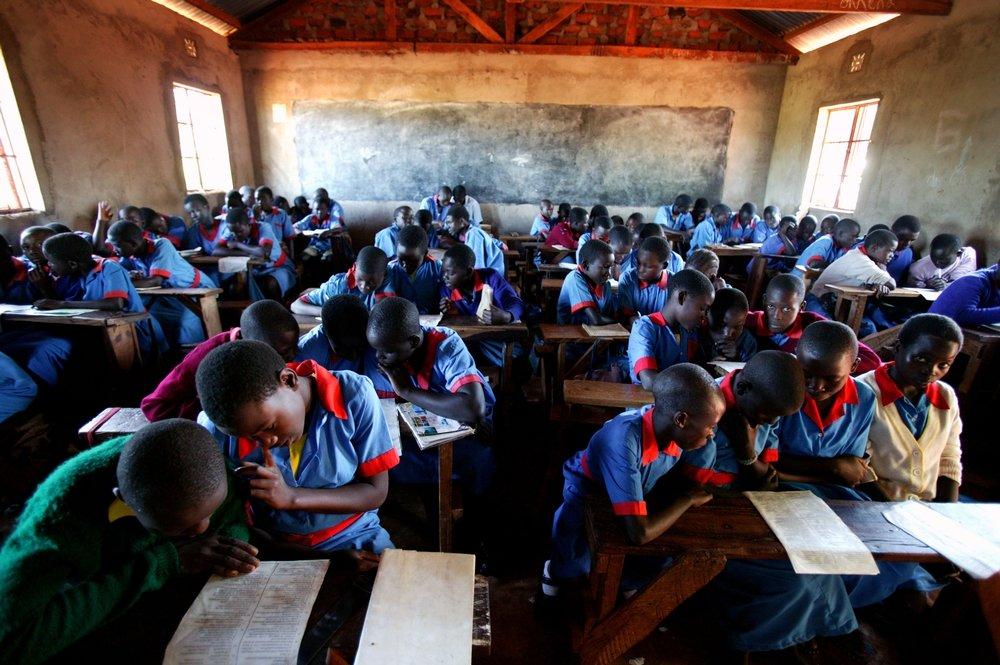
20, 271
330, 391
708, 476
660, 283
386, 394
629, 508
214, 234
477, 286
585, 465
650, 449
657, 318
377, 465
160, 272
889, 391
583, 304
769, 455
108, 295
642, 364
316, 537
197, 278
351, 279
727, 389
305, 297
244, 447
100, 265
847, 395
432, 339
465, 380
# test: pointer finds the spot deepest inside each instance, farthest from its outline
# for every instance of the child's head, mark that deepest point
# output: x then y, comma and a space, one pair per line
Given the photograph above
907, 230
444, 194
635, 222
394, 331
301, 203
32, 239
945, 248
617, 220
620, 239
402, 216
457, 220
198, 211
270, 322
689, 295
876, 227
564, 210
246, 195
845, 233
264, 197
173, 476
596, 259
788, 226
807, 227
460, 195
247, 391
600, 228
545, 208
783, 301
828, 351
599, 211
126, 239
150, 220
130, 213
458, 267
651, 230
58, 227
578, 218
682, 204
770, 386
827, 223
68, 254
772, 216
704, 261
690, 402
747, 212
321, 193
345, 324
880, 246
653, 254
720, 214
369, 269
411, 247
282, 203
424, 219
238, 222
321, 206
728, 314
925, 349
699, 210
234, 199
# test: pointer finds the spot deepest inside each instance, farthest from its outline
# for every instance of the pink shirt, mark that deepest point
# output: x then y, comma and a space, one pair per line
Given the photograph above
923, 269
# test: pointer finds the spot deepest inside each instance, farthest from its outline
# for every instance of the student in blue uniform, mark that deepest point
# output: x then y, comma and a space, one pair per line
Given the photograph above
17, 390
724, 335
907, 230
243, 237
543, 221
828, 248
15, 286
313, 444
620, 240
488, 250
370, 278
461, 295
709, 230
600, 229
586, 295
329, 245
782, 243
425, 220
163, 226
266, 212
624, 461
157, 263
420, 268
670, 336
767, 227
387, 237
741, 226
439, 204
205, 230
676, 217
644, 290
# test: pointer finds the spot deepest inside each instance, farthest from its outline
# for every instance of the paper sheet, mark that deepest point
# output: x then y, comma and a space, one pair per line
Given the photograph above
233, 263
255, 618
980, 518
962, 546
610, 330
727, 366
485, 302
430, 320
58, 312
392, 420
817, 541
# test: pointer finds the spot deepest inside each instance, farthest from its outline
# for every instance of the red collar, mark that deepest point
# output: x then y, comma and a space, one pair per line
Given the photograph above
660, 283
657, 318
432, 340
212, 233
477, 286
596, 289
317, 221
847, 395
650, 448
352, 280
20, 270
889, 391
727, 389
328, 387
99, 267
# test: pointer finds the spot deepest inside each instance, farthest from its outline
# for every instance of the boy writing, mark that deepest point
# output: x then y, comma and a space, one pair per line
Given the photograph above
244, 237
423, 271
488, 250
973, 300
370, 278
568, 231
724, 335
643, 290
828, 248
947, 261
586, 295
710, 230
386, 238
676, 217
438, 204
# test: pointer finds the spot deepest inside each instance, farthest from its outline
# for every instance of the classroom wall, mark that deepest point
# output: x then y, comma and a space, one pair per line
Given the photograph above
92, 79
286, 77
934, 150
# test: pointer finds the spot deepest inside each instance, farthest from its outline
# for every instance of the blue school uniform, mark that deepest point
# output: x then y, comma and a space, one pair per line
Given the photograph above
762, 232
587, 235
775, 246
18, 289
280, 222
746, 345
900, 264
347, 437
395, 283
425, 284
433, 239
652, 344
636, 297
665, 217
504, 297
109, 280
438, 210
315, 222
823, 248
278, 265
488, 250
198, 237
314, 346
386, 240
578, 293
706, 233
736, 231
541, 226
17, 390
176, 230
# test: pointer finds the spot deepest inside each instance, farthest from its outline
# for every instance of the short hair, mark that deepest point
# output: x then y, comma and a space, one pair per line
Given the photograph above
300, 200
445, 188
394, 319
459, 191
344, 312
458, 212
828, 338
321, 193
700, 257
125, 211
946, 241
617, 220
790, 218
748, 207
809, 218
234, 199
399, 211
236, 214
846, 224
775, 378
38, 230
728, 298
371, 259
906, 223
593, 250
577, 215
602, 221
564, 208
599, 211
638, 216
195, 198
235, 374
933, 325
68, 247
684, 387
651, 230
323, 200
423, 217
543, 202
834, 216
265, 320
148, 216
880, 238
877, 227
58, 227
721, 209
771, 209
462, 255
168, 467
691, 282
125, 231
657, 246
700, 203
413, 237
683, 200
620, 235
263, 189
787, 283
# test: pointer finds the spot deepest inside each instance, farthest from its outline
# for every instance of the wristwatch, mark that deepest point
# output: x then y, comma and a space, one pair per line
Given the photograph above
747, 462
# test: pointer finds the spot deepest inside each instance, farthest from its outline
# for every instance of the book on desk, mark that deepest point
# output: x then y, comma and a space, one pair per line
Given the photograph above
430, 429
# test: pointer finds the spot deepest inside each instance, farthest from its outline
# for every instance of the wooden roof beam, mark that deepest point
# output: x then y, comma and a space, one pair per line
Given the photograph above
476, 21
550, 24
758, 32
931, 7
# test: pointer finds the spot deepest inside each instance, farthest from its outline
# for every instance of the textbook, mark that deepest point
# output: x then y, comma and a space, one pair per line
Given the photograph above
611, 330
430, 320
189, 252
430, 429
485, 302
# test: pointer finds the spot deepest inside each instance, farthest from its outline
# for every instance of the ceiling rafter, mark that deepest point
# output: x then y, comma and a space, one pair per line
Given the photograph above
550, 24
931, 7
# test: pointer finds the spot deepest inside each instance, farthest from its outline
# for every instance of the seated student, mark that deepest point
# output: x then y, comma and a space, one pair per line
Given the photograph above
108, 526
782, 243
17, 390
767, 227
461, 294
176, 396
543, 222
282, 203
300, 209
386, 238
267, 211
826, 226
617, 220
828, 248
15, 286
863, 266
973, 300
806, 233
947, 261
234, 199
600, 229
625, 460
438, 204
699, 211
425, 220
724, 335
674, 263
205, 230
157, 263
314, 445
243, 237
460, 197
676, 217
907, 230
586, 295
709, 231
706, 262
670, 336
171, 228
741, 226
339, 342
488, 250
643, 290
331, 247
370, 278
634, 224
568, 231
914, 439
423, 272
620, 240
599, 210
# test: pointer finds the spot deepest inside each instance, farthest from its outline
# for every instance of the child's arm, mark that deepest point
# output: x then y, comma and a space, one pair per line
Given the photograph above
967, 295
101, 224
299, 306
466, 405
146, 282
642, 529
310, 303
842, 470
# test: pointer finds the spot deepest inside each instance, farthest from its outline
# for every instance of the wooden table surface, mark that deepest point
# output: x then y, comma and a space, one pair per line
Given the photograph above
207, 260
173, 291
556, 333
745, 249
467, 327
601, 393
99, 319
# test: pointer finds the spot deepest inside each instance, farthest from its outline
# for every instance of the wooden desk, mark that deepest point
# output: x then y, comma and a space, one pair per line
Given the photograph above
701, 542
111, 422
243, 278
746, 249
552, 284
562, 336
758, 269
852, 300
469, 328
550, 269
601, 393
980, 343
553, 255
203, 302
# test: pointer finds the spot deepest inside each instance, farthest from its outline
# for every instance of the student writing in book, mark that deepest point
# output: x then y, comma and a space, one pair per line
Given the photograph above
710, 230
946, 262
741, 226
421, 269
245, 237
370, 278
829, 247
724, 335
643, 290
586, 295
600, 229
768, 224
620, 240
438, 205
487, 249
386, 238
460, 197
266, 211
676, 217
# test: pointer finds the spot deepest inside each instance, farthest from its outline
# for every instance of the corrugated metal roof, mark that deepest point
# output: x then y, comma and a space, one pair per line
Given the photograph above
242, 9
781, 22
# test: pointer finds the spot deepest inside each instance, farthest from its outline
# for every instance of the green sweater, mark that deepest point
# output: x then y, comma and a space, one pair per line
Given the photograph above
66, 570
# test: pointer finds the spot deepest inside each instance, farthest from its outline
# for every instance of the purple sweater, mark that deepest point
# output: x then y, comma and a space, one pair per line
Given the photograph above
973, 299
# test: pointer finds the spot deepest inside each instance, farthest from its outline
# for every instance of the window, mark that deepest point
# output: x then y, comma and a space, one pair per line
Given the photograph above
19, 190
202, 132
840, 150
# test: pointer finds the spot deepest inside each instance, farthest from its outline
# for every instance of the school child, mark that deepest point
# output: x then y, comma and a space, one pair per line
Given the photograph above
157, 263
205, 230
543, 222
300, 209
914, 439
907, 230
706, 262
674, 263
17, 390
243, 237
488, 250
568, 231
110, 525
863, 266
617, 220
741, 226
423, 272
599, 210
676, 217
767, 227
176, 396
267, 211
424, 220
828, 248
947, 261
620, 240
643, 290
461, 198
461, 295
782, 243
826, 225
699, 211
724, 335
586, 295
171, 228
973, 300
15, 286
438, 204
806, 233
670, 336
234, 199
282, 203
326, 252
625, 460
339, 343
386, 238
634, 224
370, 278
600, 229
710, 230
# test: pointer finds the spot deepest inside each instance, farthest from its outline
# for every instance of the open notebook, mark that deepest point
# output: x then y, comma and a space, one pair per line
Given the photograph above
430, 429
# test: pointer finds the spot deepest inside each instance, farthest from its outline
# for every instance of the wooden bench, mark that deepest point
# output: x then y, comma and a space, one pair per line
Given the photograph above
559, 337
610, 395
111, 422
203, 302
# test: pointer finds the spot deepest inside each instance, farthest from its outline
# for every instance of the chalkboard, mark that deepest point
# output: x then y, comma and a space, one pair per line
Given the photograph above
512, 153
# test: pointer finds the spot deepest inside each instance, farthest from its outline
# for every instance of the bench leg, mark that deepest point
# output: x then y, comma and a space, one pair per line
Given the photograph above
121, 343
210, 315
445, 458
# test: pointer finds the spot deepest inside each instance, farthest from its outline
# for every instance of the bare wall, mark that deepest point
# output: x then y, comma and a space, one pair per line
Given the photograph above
270, 77
92, 79
935, 148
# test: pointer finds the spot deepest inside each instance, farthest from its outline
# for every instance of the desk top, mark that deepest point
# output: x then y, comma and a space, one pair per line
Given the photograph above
306, 322
205, 260
86, 318
467, 327
854, 291
552, 283
600, 393
554, 332
165, 291
746, 249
